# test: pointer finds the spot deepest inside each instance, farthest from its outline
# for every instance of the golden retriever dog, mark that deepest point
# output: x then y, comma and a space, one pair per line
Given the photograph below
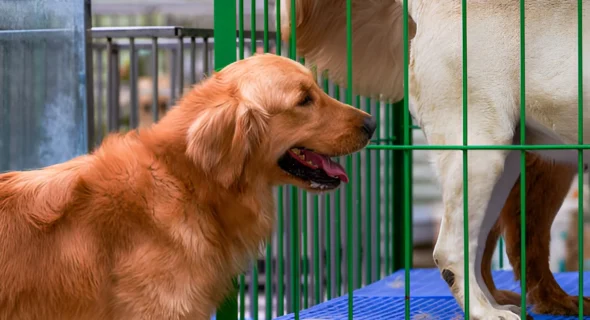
155, 222
436, 99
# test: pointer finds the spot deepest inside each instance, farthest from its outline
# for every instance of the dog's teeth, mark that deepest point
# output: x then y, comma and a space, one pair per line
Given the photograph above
302, 156
296, 151
309, 162
316, 185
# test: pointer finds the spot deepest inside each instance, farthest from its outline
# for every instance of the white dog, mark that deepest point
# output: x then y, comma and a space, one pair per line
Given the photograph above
435, 77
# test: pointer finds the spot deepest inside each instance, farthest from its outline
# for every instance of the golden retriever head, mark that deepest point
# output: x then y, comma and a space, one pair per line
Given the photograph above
264, 119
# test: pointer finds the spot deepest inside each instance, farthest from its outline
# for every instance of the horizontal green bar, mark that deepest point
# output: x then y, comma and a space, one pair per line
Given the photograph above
389, 140
481, 147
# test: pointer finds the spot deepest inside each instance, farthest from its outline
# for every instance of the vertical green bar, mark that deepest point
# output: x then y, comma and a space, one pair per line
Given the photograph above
395, 255
305, 262
407, 171
254, 284
295, 252
501, 250
241, 27
327, 213
280, 222
395, 191
378, 194
266, 46
242, 297
295, 256
278, 26
328, 248
368, 213
465, 161
224, 30
268, 263
522, 161
255, 267
316, 249
349, 209
338, 226
580, 163
388, 164
280, 254
253, 26
359, 221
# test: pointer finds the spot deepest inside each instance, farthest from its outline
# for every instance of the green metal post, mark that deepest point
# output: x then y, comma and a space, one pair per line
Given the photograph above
224, 31
522, 162
396, 190
349, 209
407, 167
580, 162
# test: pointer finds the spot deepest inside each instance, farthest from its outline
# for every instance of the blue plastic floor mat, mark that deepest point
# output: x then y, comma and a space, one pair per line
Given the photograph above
430, 298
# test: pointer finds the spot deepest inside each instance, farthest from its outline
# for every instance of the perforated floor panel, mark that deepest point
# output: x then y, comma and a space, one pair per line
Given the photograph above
430, 298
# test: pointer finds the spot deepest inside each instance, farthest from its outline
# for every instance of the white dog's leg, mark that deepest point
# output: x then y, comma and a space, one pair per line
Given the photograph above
485, 169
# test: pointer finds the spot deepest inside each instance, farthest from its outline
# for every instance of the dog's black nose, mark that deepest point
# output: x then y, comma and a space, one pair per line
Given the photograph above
369, 125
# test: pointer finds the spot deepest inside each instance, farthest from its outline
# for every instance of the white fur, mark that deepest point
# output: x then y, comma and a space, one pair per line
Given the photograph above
493, 99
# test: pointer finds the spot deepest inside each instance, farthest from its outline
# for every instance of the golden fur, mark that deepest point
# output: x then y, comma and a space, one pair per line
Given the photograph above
155, 222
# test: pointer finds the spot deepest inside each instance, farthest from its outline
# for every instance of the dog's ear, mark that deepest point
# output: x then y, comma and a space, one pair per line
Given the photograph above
222, 140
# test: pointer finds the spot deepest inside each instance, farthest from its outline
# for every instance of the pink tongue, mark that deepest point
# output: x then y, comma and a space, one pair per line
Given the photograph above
325, 163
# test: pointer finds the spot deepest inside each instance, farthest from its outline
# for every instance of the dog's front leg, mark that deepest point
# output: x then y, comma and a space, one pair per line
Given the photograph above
491, 174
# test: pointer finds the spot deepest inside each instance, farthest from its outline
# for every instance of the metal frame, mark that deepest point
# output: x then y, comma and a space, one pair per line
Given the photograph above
89, 75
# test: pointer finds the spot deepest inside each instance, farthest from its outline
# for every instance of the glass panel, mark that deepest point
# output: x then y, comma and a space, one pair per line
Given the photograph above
43, 111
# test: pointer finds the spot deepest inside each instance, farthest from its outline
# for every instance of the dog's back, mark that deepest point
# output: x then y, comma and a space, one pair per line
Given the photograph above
41, 259
62, 229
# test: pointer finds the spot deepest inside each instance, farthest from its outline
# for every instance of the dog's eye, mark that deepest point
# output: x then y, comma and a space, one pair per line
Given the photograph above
305, 101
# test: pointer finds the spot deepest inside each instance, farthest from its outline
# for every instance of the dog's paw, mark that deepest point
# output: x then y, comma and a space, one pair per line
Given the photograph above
496, 314
505, 297
514, 309
560, 305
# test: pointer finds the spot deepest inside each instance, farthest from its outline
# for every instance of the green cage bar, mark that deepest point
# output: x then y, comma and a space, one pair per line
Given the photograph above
522, 161
304, 263
379, 153
580, 162
465, 161
407, 173
368, 207
328, 235
224, 23
295, 250
387, 200
316, 250
349, 195
358, 215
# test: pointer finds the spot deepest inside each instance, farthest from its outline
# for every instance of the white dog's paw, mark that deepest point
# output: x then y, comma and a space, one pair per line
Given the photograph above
510, 307
496, 314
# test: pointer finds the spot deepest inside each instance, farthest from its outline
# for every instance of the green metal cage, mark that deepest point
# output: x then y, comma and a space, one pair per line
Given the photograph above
388, 213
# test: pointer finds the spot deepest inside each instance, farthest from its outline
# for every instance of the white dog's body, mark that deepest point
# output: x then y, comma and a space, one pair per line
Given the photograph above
494, 98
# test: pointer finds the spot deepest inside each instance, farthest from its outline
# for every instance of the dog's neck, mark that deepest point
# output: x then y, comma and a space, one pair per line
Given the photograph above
245, 212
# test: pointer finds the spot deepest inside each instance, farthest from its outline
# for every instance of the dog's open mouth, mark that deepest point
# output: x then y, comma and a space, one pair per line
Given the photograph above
318, 170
